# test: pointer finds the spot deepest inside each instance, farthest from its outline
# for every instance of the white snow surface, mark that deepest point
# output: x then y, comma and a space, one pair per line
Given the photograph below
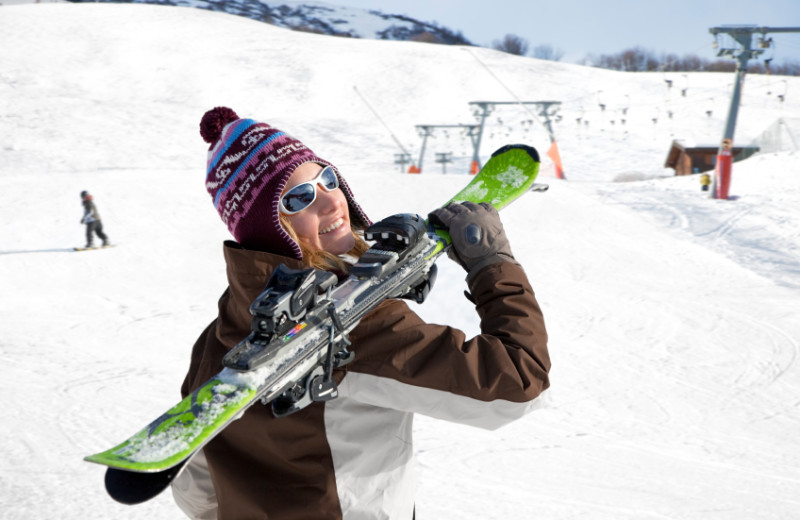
673, 318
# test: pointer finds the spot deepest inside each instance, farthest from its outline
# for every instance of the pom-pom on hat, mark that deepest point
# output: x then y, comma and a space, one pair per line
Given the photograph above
249, 164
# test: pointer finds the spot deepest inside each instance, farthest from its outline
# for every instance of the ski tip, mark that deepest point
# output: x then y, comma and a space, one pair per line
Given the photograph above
529, 149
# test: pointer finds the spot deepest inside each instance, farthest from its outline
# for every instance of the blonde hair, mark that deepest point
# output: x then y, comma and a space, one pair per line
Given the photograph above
319, 259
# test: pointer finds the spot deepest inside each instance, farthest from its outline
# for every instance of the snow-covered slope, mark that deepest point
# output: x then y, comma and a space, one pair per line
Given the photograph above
672, 317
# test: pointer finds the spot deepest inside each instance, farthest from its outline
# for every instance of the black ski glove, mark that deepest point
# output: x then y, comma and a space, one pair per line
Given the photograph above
477, 232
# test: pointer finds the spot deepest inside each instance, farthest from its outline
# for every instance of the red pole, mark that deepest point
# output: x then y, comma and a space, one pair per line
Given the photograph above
722, 173
553, 154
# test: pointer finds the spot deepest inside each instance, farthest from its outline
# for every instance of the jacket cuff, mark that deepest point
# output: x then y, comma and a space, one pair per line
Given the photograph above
489, 260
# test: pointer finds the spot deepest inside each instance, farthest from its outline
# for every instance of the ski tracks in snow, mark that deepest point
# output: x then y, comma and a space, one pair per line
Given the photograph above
738, 231
664, 365
738, 228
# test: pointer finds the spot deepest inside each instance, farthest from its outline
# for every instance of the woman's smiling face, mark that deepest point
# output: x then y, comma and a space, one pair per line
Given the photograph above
325, 224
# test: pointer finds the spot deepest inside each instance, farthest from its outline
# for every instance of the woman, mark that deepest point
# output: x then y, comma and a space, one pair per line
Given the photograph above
350, 457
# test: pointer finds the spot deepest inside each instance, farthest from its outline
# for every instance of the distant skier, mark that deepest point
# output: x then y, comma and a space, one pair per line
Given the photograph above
705, 181
92, 220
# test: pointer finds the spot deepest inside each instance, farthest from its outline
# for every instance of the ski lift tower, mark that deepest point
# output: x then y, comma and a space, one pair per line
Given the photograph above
743, 36
426, 131
547, 109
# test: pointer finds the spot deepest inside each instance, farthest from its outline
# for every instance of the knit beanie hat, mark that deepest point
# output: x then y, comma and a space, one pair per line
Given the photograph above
249, 164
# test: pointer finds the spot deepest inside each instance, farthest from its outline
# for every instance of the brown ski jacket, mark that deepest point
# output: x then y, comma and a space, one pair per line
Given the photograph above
351, 457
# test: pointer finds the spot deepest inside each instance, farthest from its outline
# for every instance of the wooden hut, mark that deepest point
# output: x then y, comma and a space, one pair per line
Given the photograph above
686, 160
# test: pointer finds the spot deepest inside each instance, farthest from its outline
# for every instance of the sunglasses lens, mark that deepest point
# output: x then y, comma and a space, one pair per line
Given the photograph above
328, 179
299, 197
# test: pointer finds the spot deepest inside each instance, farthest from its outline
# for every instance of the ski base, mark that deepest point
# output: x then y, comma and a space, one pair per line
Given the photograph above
131, 488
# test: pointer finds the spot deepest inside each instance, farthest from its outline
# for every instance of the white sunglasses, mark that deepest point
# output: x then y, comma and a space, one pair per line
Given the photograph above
303, 195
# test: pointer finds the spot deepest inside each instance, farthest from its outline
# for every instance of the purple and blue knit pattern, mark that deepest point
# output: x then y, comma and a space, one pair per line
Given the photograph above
251, 159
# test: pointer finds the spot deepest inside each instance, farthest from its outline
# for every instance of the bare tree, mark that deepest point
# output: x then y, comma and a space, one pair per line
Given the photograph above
690, 62
512, 44
788, 68
548, 52
637, 59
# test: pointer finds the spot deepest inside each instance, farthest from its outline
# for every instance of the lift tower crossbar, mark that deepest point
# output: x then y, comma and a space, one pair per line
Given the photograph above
426, 131
546, 110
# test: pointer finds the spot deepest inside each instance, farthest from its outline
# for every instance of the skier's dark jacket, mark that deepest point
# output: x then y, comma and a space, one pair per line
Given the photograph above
351, 457
90, 213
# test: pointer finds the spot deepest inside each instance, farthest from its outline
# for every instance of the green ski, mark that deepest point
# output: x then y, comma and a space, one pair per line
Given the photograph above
266, 365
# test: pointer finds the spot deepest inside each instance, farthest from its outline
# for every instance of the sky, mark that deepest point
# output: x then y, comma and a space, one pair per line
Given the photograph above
581, 27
